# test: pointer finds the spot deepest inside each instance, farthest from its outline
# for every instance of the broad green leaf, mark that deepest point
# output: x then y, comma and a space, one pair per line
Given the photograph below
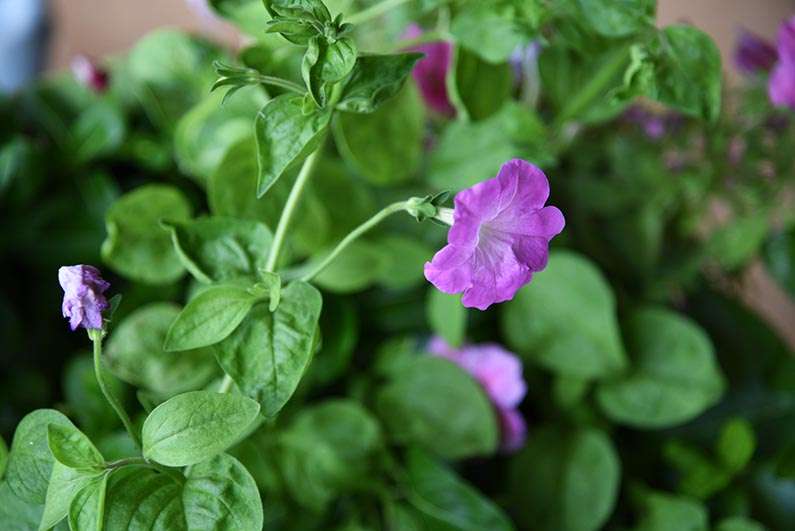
30, 461
206, 132
17, 514
285, 136
738, 523
140, 499
354, 269
736, 444
477, 88
221, 494
98, 132
196, 426
565, 320
674, 375
687, 72
565, 481
209, 317
215, 249
448, 502
248, 15
374, 80
664, 512
70, 447
399, 127
433, 403
487, 29
326, 62
64, 484
403, 259
447, 317
134, 352
3, 457
269, 352
469, 152
137, 247
312, 471
87, 510
616, 19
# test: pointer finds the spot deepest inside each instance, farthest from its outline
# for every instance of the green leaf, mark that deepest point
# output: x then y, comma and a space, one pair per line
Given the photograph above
137, 247
736, 444
247, 15
135, 353
446, 501
615, 19
302, 9
209, 317
738, 523
674, 375
30, 461
565, 481
70, 447
87, 510
487, 29
403, 259
434, 403
206, 132
326, 63
285, 136
64, 484
17, 514
98, 132
3, 457
738, 242
664, 512
698, 475
269, 352
221, 494
140, 499
215, 249
374, 80
478, 89
447, 317
565, 320
687, 72
195, 426
471, 152
399, 126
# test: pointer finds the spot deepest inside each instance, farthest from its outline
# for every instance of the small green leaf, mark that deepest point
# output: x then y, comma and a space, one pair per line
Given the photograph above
269, 352
664, 512
137, 246
616, 19
674, 374
245, 14
64, 484
98, 132
565, 320
326, 63
301, 9
374, 80
478, 89
487, 29
87, 510
196, 426
209, 318
217, 249
423, 402
285, 136
736, 444
738, 523
447, 317
30, 460
72, 448
448, 502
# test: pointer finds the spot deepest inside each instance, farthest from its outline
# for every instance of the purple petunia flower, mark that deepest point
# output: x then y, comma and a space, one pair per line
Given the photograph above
83, 300
499, 372
781, 87
754, 54
499, 237
430, 72
90, 74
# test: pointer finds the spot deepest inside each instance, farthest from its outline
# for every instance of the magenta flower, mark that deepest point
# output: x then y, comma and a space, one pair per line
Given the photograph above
430, 72
754, 54
91, 75
781, 87
83, 300
499, 372
499, 237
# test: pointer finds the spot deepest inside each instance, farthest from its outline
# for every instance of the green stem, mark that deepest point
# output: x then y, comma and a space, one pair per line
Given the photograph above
353, 236
374, 11
96, 337
281, 83
289, 209
226, 384
140, 461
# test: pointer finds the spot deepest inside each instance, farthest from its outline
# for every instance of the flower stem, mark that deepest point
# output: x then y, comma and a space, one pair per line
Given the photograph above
282, 83
96, 337
289, 209
353, 236
374, 11
226, 384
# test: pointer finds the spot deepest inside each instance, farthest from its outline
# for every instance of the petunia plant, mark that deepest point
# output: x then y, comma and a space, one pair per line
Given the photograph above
402, 264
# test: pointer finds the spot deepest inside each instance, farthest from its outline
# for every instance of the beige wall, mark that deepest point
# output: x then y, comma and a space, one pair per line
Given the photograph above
99, 27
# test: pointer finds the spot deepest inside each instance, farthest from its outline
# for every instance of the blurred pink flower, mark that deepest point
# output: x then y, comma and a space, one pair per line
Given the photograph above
430, 72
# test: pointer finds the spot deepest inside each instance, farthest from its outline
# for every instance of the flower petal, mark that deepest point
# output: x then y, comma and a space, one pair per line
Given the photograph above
450, 269
514, 430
